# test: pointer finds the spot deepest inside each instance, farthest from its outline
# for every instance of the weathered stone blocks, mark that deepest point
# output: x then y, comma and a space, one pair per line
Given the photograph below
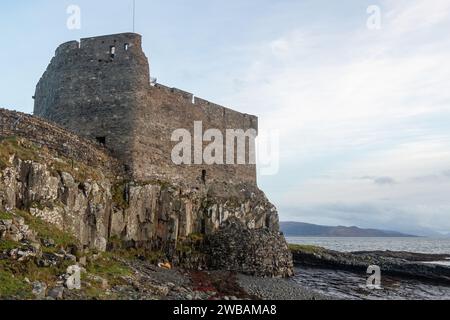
108, 97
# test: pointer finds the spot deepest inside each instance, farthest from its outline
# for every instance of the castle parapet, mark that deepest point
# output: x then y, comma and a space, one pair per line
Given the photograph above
67, 47
213, 110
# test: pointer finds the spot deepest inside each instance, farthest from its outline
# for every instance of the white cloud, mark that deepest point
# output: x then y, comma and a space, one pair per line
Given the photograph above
370, 97
408, 16
417, 192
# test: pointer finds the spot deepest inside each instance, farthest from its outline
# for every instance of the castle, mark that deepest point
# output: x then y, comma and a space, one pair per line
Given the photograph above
100, 88
100, 164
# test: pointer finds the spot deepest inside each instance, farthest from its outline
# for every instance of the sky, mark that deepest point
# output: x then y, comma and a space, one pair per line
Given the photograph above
362, 114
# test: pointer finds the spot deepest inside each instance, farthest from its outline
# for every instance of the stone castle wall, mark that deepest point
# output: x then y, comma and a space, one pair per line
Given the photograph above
57, 139
164, 110
100, 88
88, 91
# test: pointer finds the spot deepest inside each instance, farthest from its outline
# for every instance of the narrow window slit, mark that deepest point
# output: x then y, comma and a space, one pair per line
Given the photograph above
204, 176
101, 140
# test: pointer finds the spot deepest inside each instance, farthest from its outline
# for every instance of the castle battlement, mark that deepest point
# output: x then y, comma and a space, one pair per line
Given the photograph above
208, 106
123, 42
100, 88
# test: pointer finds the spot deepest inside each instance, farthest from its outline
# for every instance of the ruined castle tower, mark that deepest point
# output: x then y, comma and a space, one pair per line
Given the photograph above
100, 88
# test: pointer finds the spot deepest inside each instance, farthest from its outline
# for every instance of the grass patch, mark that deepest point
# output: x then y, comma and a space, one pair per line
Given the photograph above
9, 245
14, 146
152, 256
191, 245
12, 287
119, 195
30, 270
119, 248
6, 215
94, 292
109, 268
79, 171
48, 231
196, 237
27, 151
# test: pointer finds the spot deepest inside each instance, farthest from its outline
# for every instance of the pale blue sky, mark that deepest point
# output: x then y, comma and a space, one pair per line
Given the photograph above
363, 115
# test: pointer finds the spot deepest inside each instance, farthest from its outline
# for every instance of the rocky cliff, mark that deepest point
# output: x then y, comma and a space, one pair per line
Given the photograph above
103, 210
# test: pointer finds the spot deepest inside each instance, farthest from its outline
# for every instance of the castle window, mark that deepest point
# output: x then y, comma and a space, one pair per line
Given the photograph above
204, 176
101, 140
112, 51
126, 46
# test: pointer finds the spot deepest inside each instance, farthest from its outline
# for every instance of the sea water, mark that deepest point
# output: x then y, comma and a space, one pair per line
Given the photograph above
349, 285
417, 245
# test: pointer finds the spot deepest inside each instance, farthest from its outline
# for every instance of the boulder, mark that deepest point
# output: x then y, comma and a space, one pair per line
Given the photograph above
39, 290
56, 293
258, 252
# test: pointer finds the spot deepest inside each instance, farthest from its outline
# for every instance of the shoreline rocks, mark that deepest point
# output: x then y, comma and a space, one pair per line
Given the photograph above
402, 264
259, 252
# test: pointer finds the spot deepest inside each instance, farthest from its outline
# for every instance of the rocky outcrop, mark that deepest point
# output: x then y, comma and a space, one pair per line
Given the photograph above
13, 228
60, 141
96, 207
397, 264
80, 208
259, 252
157, 213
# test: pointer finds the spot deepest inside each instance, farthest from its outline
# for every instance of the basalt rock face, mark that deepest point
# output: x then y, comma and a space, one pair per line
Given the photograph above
158, 213
80, 208
96, 207
259, 252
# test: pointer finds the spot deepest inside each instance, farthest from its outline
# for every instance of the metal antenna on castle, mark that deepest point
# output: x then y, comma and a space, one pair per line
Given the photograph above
134, 14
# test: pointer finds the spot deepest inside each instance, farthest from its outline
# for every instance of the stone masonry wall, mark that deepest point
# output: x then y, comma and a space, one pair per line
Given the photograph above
63, 142
164, 110
93, 93
100, 88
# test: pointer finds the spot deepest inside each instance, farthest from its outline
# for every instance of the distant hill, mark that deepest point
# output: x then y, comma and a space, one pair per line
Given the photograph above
299, 229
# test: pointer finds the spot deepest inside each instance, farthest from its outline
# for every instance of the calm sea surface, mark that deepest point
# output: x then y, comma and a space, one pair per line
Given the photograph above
349, 285
419, 245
